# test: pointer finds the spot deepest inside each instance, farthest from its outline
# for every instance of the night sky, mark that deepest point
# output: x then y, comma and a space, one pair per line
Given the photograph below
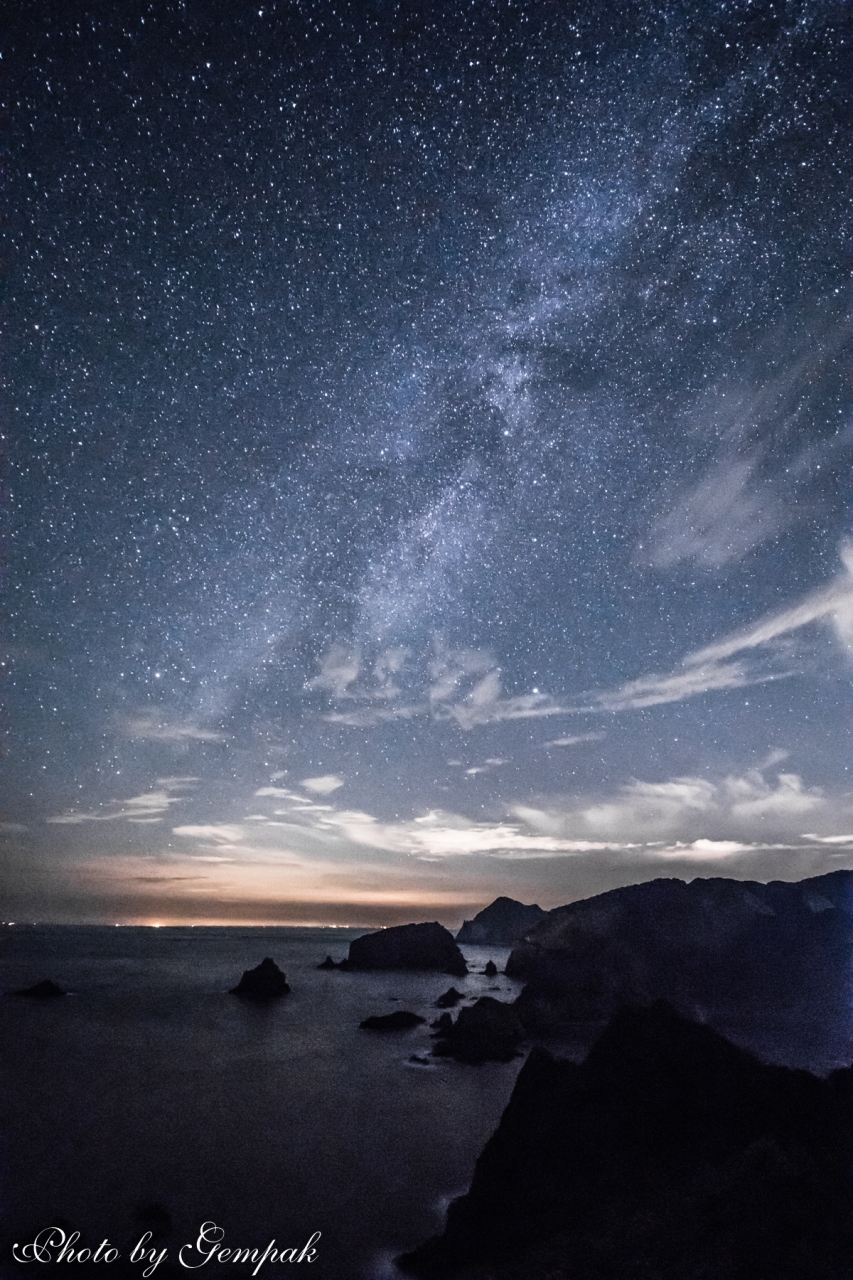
430, 454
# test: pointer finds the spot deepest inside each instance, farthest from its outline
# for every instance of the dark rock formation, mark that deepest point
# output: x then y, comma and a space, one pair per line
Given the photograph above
449, 999
491, 969
45, 990
408, 946
489, 1030
713, 945
399, 1020
263, 982
669, 1154
500, 924
329, 963
443, 1022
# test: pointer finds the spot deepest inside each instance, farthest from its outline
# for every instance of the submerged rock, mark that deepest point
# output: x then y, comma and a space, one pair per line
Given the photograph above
399, 1020
408, 946
489, 1030
668, 1153
450, 998
44, 990
501, 923
263, 982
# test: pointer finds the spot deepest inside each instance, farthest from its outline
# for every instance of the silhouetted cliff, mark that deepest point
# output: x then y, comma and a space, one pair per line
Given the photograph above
716, 944
668, 1154
501, 923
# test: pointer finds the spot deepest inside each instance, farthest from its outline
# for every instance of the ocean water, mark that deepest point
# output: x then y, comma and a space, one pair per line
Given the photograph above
150, 1091
151, 1097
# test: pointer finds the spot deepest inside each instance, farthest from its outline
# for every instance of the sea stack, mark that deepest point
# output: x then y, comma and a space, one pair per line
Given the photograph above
408, 946
44, 990
262, 983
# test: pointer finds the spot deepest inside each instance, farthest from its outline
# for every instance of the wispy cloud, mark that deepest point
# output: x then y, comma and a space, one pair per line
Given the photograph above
692, 819
324, 785
832, 604
463, 685
746, 808
650, 691
727, 513
150, 728
762, 479
711, 668
339, 669
224, 833
146, 807
574, 740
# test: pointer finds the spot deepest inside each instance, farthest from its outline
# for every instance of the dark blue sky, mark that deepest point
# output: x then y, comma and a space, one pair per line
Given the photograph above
430, 454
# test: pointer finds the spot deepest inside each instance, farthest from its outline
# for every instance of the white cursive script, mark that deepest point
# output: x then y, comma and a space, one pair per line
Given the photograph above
209, 1246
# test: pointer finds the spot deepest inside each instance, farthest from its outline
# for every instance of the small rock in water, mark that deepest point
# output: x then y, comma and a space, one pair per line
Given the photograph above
490, 1031
399, 1020
444, 1022
450, 998
491, 969
45, 990
328, 963
263, 982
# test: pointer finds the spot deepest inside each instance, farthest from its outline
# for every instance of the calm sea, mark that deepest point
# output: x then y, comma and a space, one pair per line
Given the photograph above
150, 1097
150, 1091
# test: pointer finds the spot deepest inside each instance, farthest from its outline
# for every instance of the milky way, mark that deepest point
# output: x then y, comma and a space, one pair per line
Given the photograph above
430, 463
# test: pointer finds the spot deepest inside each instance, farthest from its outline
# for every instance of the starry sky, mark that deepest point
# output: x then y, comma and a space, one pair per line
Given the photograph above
429, 466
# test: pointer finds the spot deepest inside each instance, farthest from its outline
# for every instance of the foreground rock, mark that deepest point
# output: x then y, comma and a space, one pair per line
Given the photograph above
408, 946
716, 945
669, 1154
399, 1020
488, 1031
45, 990
262, 983
500, 924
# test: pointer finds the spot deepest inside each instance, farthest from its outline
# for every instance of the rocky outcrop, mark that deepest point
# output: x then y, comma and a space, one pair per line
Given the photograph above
488, 1031
44, 990
408, 946
668, 1153
491, 969
263, 982
711, 945
399, 1020
329, 963
449, 999
500, 924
